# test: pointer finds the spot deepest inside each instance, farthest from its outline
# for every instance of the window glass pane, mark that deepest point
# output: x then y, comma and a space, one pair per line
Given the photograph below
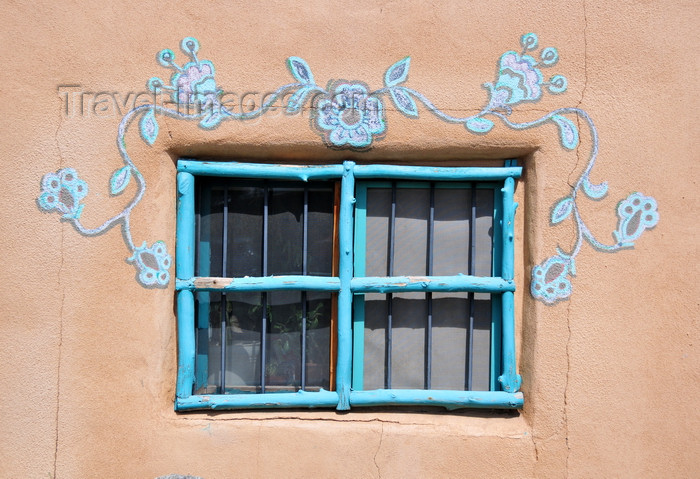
320, 233
410, 313
245, 229
484, 232
375, 340
318, 338
450, 341
377, 231
285, 231
411, 239
409, 319
481, 367
242, 346
451, 231
211, 207
284, 340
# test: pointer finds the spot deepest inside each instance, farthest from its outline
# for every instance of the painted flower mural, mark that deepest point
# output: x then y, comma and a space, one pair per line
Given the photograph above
350, 116
152, 263
549, 279
63, 191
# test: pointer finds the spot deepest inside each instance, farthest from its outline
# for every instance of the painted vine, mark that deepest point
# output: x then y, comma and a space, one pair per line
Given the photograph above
349, 115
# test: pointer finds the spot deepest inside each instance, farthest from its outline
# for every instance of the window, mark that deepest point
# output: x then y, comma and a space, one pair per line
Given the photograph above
345, 286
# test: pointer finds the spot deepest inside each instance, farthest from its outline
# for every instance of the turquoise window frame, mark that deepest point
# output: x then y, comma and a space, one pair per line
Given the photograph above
503, 394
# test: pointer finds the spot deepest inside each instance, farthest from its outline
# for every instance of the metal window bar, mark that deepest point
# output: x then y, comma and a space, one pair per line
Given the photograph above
304, 272
472, 269
429, 296
390, 296
224, 250
263, 329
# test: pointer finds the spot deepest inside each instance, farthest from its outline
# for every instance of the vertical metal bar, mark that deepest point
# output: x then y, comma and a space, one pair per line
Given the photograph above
390, 297
472, 270
200, 373
344, 367
263, 329
304, 271
429, 296
224, 251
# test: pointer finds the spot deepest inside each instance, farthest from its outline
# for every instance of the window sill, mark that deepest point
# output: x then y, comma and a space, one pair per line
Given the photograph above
381, 397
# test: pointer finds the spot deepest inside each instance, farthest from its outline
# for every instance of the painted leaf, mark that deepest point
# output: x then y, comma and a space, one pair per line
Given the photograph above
300, 70
212, 120
594, 191
479, 125
120, 179
403, 101
397, 73
562, 210
296, 101
567, 131
149, 127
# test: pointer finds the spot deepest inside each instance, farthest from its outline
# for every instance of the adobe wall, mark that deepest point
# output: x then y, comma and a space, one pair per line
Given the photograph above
609, 366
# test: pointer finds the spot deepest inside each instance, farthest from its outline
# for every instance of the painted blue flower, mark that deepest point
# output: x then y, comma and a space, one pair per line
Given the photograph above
152, 263
549, 279
63, 191
637, 213
519, 80
195, 84
350, 117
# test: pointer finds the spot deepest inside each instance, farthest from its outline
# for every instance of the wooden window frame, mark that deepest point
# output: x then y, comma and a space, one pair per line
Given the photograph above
504, 393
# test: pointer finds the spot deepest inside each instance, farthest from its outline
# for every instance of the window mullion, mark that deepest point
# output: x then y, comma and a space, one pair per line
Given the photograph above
184, 258
509, 379
224, 251
344, 367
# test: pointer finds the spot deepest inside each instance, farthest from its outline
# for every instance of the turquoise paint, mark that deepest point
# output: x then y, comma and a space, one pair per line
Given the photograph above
397, 284
429, 173
258, 401
358, 324
350, 329
351, 115
203, 299
185, 226
496, 316
261, 171
509, 379
507, 234
185, 344
448, 399
267, 283
345, 233
185, 299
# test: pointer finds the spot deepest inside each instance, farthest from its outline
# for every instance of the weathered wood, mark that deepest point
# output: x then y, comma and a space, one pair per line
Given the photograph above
430, 173
446, 399
397, 284
268, 283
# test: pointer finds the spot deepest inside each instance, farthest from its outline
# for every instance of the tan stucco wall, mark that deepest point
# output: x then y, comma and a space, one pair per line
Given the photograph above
89, 357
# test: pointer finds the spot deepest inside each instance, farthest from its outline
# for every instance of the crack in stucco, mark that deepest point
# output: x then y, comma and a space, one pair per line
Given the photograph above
376, 453
219, 418
566, 387
60, 319
583, 92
